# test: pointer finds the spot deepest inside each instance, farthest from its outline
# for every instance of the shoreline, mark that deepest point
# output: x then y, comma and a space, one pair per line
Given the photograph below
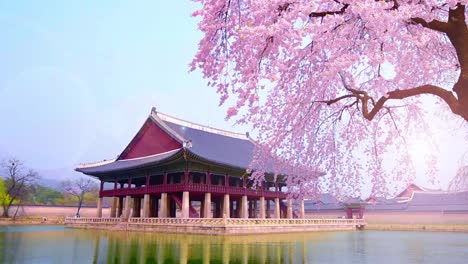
32, 221
462, 228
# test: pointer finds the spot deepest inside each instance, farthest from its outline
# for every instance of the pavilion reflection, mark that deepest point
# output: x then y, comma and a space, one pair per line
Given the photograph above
177, 248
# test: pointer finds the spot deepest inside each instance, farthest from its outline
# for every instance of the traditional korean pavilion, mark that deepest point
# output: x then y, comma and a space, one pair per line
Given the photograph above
175, 168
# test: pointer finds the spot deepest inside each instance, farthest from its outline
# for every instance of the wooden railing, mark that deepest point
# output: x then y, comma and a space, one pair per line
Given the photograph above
193, 187
219, 221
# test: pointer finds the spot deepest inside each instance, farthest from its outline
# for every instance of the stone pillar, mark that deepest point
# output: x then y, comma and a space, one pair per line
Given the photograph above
136, 207
126, 210
185, 205
164, 210
99, 207
289, 213
226, 206
207, 206
302, 210
254, 209
244, 207
120, 207
114, 206
277, 208
146, 205
262, 207
268, 211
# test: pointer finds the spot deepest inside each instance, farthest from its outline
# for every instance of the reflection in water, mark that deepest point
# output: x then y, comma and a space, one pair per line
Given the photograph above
62, 245
169, 248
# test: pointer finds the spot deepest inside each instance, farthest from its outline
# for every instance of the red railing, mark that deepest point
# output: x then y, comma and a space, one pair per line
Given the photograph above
195, 188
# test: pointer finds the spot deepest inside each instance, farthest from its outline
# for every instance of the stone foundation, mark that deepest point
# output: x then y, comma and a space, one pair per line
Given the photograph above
216, 226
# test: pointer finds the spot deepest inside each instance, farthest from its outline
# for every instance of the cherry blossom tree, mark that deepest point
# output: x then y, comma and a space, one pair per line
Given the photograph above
326, 83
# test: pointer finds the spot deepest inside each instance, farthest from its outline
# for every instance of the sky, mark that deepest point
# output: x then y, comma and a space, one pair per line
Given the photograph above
79, 78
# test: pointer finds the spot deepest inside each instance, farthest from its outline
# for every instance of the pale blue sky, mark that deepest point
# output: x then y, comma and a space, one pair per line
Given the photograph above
78, 78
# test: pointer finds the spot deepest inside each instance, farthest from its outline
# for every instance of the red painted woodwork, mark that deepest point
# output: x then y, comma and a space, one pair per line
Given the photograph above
194, 188
150, 140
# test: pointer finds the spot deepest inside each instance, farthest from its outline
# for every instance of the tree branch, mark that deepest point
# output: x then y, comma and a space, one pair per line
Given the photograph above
434, 24
445, 95
328, 13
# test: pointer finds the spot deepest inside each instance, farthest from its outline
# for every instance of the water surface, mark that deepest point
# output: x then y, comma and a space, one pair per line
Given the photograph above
57, 244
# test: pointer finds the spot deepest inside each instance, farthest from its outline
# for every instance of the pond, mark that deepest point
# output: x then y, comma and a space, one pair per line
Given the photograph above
57, 244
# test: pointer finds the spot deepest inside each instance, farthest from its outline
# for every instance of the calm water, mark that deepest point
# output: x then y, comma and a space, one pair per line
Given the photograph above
55, 244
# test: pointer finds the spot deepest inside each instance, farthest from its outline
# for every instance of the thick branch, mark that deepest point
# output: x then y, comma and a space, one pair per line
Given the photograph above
434, 24
328, 13
445, 95
362, 96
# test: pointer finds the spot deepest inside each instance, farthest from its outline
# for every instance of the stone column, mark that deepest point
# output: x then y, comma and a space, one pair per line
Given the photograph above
254, 209
268, 211
290, 210
120, 207
136, 207
262, 207
244, 207
126, 210
207, 206
277, 208
114, 206
164, 210
302, 210
146, 205
226, 206
185, 205
99, 207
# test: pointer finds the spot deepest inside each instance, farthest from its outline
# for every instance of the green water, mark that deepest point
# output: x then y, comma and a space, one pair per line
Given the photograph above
56, 244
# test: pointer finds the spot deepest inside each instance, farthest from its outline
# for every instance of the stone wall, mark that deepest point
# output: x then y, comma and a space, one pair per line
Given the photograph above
56, 211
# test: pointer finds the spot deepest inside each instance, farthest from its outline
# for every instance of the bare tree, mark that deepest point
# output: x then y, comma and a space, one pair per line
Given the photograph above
17, 180
78, 188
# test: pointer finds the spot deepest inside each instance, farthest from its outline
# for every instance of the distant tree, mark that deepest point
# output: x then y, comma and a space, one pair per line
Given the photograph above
78, 188
17, 180
43, 195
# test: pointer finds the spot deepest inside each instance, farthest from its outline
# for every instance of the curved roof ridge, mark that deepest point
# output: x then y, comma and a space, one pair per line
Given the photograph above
152, 155
196, 126
94, 164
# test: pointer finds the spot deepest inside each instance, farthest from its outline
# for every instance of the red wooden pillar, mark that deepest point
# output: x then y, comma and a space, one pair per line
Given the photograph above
349, 213
101, 188
115, 186
226, 180
186, 177
129, 184
361, 212
208, 178
165, 178
147, 182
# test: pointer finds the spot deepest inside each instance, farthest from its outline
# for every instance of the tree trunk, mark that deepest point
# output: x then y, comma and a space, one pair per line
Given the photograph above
80, 202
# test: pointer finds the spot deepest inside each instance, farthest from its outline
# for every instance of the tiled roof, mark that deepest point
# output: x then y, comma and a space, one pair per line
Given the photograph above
220, 147
129, 163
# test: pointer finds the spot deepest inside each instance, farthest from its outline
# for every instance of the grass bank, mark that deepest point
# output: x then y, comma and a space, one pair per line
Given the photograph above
33, 220
418, 227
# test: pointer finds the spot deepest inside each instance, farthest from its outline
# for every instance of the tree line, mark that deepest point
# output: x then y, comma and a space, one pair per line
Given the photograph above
20, 185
